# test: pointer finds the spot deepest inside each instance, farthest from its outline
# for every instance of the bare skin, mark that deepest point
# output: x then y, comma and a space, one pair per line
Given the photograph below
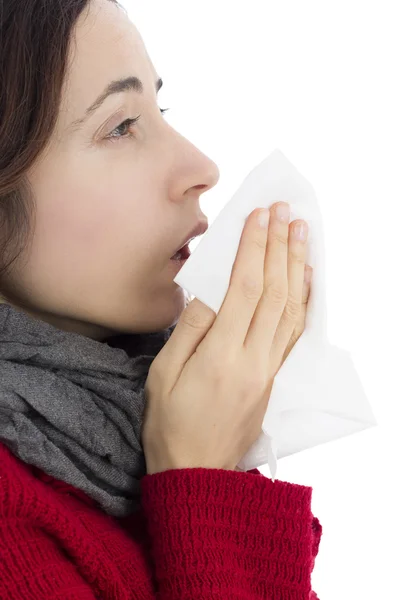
112, 202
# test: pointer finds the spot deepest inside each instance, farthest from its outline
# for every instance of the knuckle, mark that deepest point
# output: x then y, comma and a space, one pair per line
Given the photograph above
292, 308
296, 257
251, 288
276, 294
280, 239
194, 319
260, 243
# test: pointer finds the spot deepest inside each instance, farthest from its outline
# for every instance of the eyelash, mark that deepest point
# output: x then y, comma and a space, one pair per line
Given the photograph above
126, 124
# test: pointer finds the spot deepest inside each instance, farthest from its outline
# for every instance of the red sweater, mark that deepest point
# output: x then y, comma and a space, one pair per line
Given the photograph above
200, 534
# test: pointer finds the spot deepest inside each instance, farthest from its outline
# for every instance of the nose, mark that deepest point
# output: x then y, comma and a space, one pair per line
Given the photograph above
196, 170
212, 174
212, 177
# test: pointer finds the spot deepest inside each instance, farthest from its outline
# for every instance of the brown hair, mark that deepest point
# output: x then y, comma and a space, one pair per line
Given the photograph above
35, 37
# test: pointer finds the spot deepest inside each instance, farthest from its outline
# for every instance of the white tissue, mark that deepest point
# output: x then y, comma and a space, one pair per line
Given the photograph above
317, 395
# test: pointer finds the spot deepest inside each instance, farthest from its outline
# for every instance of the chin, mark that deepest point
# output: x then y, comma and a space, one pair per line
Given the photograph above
157, 315
169, 313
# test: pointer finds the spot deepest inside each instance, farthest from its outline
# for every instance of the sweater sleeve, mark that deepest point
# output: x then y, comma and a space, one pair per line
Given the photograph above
217, 534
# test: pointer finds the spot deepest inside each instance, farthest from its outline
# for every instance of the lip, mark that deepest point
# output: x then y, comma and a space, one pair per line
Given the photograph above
199, 229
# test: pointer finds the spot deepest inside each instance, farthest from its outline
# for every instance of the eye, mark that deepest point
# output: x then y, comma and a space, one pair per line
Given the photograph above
117, 133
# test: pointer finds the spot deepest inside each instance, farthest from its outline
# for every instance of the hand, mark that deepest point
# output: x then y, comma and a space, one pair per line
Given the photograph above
208, 389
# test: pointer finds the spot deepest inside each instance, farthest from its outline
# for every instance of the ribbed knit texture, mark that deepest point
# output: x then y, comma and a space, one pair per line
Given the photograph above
201, 534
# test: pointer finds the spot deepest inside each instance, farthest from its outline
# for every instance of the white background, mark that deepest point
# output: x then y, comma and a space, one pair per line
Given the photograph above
320, 81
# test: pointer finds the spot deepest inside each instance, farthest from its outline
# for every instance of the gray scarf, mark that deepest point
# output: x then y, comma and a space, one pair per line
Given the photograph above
73, 406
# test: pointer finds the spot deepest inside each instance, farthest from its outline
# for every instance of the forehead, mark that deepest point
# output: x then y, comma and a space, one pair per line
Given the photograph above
105, 45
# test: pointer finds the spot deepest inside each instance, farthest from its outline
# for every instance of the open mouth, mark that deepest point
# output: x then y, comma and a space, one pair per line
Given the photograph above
182, 254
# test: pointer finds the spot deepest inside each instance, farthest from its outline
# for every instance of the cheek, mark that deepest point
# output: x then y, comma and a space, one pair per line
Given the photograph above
73, 222
93, 232
73, 234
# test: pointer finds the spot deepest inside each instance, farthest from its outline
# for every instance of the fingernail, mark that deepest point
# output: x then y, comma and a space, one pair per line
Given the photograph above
263, 218
300, 231
283, 212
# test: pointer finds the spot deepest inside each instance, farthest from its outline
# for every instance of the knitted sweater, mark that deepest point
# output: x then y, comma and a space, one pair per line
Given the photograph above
200, 534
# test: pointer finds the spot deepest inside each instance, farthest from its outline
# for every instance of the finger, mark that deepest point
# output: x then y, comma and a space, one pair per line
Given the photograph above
301, 323
228, 328
293, 308
245, 287
272, 303
308, 274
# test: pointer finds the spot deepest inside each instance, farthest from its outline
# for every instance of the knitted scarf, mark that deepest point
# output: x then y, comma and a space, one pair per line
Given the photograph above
73, 406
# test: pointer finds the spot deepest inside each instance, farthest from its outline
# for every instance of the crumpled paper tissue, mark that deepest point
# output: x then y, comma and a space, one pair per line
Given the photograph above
317, 395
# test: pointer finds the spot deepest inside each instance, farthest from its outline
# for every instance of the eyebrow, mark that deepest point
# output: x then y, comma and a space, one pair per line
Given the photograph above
114, 87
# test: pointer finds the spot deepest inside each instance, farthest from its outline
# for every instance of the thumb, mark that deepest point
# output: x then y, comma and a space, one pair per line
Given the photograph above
191, 328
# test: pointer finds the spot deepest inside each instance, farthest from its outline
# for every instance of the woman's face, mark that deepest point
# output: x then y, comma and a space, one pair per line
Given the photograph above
112, 203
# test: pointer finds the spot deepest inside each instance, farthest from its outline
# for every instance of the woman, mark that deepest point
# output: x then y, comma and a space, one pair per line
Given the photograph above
100, 496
